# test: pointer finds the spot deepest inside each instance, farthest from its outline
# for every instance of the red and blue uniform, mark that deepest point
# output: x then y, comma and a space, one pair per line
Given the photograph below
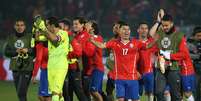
88, 50
98, 70
41, 62
146, 67
187, 72
126, 74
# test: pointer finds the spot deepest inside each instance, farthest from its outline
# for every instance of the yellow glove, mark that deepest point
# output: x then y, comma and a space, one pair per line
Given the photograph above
39, 23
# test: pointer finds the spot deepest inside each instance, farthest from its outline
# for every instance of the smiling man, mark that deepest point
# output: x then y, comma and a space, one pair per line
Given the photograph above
125, 51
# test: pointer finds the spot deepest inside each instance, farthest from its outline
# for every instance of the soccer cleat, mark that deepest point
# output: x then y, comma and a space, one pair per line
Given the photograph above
162, 64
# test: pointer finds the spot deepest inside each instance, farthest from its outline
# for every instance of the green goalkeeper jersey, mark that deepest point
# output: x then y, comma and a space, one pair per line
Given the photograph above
58, 51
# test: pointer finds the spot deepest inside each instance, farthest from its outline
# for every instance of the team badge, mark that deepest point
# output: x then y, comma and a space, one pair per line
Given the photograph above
165, 42
19, 44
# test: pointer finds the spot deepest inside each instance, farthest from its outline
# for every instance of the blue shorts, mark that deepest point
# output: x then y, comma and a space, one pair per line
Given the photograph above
128, 89
188, 83
148, 81
96, 81
43, 87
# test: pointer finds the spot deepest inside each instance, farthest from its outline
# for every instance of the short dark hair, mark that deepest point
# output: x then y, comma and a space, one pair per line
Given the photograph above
143, 22
53, 21
19, 19
196, 30
95, 27
66, 21
123, 23
81, 20
167, 17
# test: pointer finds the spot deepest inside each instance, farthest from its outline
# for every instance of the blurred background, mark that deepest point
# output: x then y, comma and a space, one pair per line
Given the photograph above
186, 13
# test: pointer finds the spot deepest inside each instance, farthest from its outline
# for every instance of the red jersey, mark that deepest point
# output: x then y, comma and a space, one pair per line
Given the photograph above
187, 67
183, 56
88, 50
125, 57
184, 59
41, 58
98, 55
77, 52
182, 51
145, 58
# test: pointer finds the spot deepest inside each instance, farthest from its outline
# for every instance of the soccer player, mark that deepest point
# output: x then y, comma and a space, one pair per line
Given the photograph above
41, 60
145, 61
64, 24
19, 49
126, 55
88, 49
110, 85
58, 43
74, 74
172, 46
96, 62
187, 76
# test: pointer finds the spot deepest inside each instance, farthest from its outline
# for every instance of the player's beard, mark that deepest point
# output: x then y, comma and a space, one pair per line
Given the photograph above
171, 30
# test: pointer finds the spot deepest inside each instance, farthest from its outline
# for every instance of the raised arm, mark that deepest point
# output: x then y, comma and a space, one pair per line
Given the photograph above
155, 27
53, 37
97, 44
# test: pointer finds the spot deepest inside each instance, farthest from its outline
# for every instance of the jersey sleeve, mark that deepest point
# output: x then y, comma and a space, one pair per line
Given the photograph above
153, 48
181, 54
89, 48
77, 49
38, 59
110, 44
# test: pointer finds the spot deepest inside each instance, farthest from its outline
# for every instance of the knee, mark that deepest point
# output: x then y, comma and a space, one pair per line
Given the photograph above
40, 98
94, 93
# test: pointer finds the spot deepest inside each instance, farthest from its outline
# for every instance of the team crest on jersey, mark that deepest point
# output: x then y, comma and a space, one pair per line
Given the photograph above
19, 44
165, 42
131, 45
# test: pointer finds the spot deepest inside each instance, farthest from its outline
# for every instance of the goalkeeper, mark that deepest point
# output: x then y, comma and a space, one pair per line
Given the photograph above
57, 53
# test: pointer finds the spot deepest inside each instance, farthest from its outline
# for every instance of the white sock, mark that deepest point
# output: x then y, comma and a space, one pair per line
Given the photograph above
150, 98
191, 98
167, 97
